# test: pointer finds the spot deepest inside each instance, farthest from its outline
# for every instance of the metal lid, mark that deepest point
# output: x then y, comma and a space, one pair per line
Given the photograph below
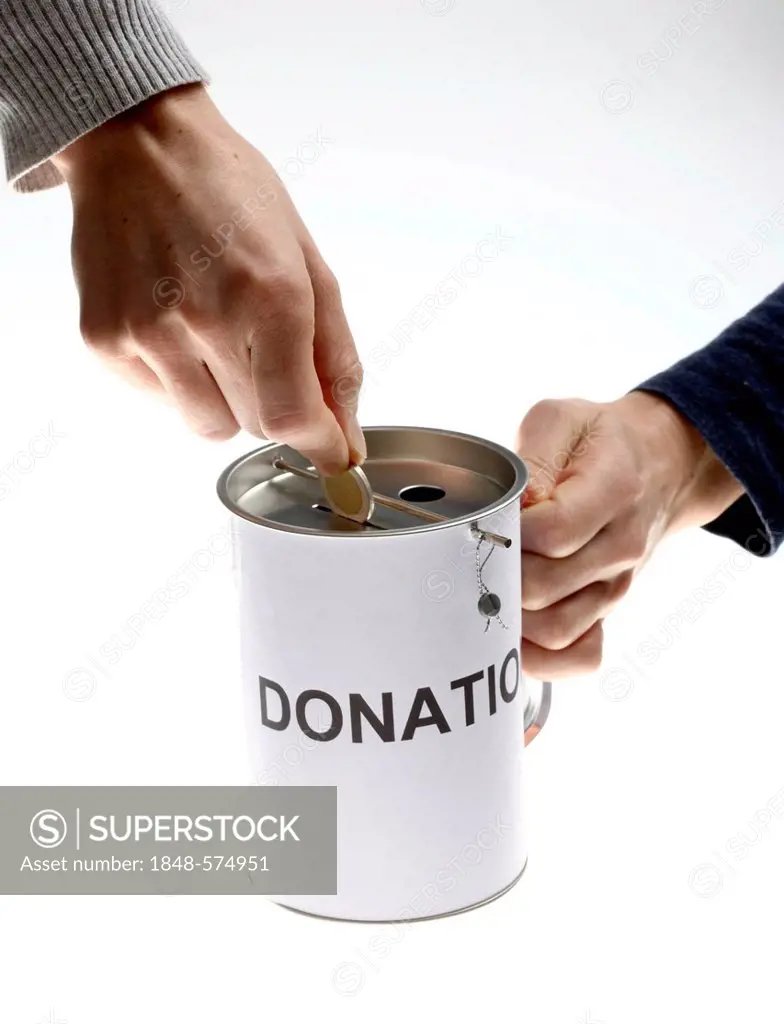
454, 475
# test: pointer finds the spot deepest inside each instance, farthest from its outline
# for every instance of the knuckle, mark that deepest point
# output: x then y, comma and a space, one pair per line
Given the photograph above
346, 386
535, 595
286, 288
178, 367
634, 545
150, 333
555, 543
593, 656
536, 663
533, 601
217, 431
154, 328
546, 413
201, 319
555, 630
555, 411
619, 588
99, 333
545, 408
326, 282
282, 424
592, 648
555, 535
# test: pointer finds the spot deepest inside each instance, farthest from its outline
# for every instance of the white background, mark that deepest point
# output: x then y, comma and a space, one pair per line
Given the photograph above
446, 123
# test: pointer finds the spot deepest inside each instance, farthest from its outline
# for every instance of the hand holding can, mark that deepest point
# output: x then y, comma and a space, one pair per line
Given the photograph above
200, 282
608, 482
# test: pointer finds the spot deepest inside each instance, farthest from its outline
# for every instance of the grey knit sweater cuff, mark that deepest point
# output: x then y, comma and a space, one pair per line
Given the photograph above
67, 66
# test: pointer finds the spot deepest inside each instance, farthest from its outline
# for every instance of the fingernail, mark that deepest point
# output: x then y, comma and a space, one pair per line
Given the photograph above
356, 442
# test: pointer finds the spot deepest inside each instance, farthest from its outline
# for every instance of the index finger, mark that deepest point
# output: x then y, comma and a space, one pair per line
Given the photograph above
573, 515
291, 406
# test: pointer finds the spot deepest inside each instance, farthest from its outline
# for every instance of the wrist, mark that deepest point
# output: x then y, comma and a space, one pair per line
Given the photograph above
692, 485
165, 120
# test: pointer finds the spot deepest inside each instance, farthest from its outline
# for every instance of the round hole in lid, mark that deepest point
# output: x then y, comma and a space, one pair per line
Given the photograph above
419, 493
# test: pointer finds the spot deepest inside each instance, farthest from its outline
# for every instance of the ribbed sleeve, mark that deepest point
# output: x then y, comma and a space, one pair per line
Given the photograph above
67, 67
733, 392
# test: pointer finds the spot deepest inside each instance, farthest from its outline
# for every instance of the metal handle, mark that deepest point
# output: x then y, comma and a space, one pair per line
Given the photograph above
537, 713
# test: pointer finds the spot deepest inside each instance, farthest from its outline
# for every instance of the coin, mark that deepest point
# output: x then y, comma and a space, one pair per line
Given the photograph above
349, 494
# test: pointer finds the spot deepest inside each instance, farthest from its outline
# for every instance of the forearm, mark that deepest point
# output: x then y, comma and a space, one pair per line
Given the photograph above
66, 68
732, 391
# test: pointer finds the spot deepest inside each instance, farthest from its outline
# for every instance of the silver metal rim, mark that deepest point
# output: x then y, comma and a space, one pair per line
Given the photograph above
408, 920
512, 495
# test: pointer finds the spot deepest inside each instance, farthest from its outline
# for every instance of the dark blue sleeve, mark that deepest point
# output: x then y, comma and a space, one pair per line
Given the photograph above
732, 390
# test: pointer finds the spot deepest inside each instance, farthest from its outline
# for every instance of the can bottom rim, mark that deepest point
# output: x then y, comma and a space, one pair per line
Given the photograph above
409, 920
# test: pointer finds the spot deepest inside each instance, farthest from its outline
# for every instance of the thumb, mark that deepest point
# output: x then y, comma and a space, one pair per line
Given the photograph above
567, 497
550, 440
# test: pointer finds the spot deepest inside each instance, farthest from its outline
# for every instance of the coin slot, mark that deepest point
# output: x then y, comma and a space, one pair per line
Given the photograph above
323, 508
419, 493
